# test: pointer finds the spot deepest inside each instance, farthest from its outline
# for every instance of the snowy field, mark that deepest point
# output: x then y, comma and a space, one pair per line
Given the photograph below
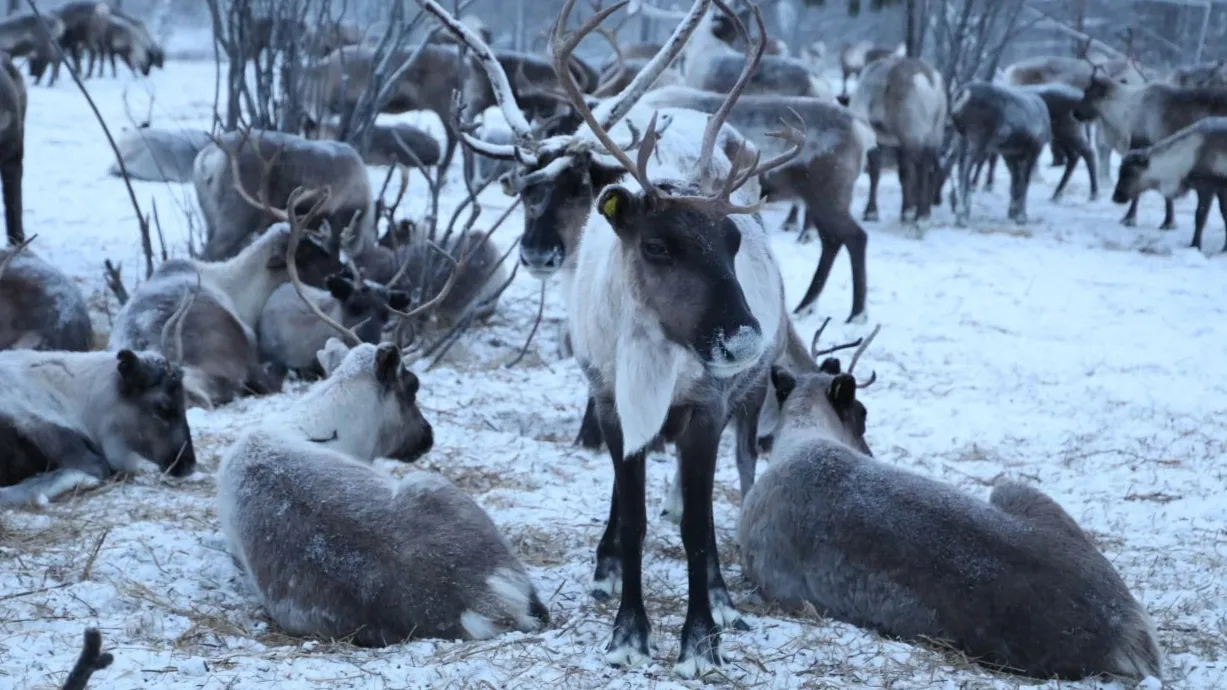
1072, 353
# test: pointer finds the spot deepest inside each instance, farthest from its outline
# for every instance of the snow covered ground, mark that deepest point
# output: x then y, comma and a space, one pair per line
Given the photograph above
1072, 353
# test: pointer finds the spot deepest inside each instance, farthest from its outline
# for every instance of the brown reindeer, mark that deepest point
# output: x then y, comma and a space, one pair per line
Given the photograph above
12, 145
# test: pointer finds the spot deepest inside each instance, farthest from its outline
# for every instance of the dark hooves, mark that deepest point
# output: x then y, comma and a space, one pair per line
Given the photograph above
600, 595
741, 625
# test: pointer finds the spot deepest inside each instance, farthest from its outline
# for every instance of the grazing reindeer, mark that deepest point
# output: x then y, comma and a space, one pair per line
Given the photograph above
35, 37
12, 146
290, 333
432, 562
994, 119
85, 27
68, 420
129, 39
159, 155
218, 345
278, 163
40, 307
91, 660
1192, 158
1149, 114
855, 57
882, 548
905, 101
823, 176
398, 144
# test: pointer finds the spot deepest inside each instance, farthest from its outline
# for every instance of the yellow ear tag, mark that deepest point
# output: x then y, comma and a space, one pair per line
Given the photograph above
610, 207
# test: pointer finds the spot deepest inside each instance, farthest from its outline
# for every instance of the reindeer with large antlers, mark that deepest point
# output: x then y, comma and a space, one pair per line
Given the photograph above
679, 314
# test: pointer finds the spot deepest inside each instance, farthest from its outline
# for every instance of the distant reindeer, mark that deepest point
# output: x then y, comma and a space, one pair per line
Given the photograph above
993, 119
68, 420
870, 544
159, 155
904, 99
1148, 114
12, 146
90, 661
40, 307
129, 39
332, 36
823, 176
85, 28
854, 57
432, 562
290, 333
278, 163
1193, 158
1204, 75
217, 333
27, 35
398, 144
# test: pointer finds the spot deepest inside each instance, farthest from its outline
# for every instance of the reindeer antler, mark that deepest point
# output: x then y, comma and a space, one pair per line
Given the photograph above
176, 320
873, 376
13, 252
861, 344
291, 256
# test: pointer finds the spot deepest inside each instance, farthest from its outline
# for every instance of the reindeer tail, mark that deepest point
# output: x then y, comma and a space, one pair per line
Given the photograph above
1136, 654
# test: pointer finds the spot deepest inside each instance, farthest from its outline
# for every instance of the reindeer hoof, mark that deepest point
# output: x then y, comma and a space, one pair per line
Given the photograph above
1168, 226
1129, 222
870, 216
805, 238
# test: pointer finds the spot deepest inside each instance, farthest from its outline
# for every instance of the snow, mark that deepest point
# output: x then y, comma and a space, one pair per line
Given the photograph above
1073, 353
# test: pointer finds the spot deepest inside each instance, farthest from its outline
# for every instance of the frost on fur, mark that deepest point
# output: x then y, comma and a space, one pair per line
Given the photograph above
387, 559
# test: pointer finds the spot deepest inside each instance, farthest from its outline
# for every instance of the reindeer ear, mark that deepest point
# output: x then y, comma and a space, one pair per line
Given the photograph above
784, 383
332, 355
387, 364
132, 374
831, 365
340, 286
842, 391
398, 299
619, 207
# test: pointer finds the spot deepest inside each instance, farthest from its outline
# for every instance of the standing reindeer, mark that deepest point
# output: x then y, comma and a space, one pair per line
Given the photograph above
854, 57
12, 146
28, 35
40, 307
904, 100
85, 27
387, 559
882, 548
129, 39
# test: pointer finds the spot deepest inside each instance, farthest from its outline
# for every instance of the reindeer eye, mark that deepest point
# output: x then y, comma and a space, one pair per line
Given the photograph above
167, 412
655, 250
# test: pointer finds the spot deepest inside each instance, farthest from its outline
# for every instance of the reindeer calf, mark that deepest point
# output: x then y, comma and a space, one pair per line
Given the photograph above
159, 155
885, 549
430, 561
68, 420
40, 307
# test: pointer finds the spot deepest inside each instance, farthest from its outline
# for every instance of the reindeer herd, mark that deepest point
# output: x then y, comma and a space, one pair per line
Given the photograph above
642, 184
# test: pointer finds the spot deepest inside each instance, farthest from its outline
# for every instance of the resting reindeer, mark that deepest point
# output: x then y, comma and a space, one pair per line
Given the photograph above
1148, 114
282, 162
398, 144
12, 146
1192, 158
159, 155
68, 420
40, 307
905, 101
217, 346
854, 57
28, 35
994, 119
386, 559
883, 548
469, 277
91, 660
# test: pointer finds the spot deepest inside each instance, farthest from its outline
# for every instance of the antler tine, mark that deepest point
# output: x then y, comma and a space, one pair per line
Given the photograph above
863, 346
442, 294
176, 319
498, 78
813, 344
754, 54
291, 263
13, 252
794, 136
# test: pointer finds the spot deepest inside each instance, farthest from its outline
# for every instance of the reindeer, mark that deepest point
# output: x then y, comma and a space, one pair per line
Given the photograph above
855, 57
276, 163
91, 660
218, 345
1193, 158
12, 145
68, 420
1149, 114
35, 37
433, 563
290, 333
823, 177
468, 278
870, 544
159, 155
85, 27
905, 101
40, 307
993, 119
1204, 75
128, 38
398, 144
332, 36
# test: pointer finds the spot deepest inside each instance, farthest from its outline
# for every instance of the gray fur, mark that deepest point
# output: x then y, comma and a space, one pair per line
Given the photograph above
129, 39
996, 119
231, 221
337, 548
40, 307
398, 144
12, 146
711, 64
70, 419
85, 26
889, 550
904, 99
1207, 74
854, 57
160, 155
27, 35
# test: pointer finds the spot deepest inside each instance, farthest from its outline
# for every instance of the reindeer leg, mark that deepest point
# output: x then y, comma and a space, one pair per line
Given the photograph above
830, 249
1017, 168
907, 181
1204, 200
1131, 216
791, 223
590, 429
992, 172
1169, 215
1071, 162
1059, 156
925, 166
1221, 193
10, 178
1027, 167
873, 161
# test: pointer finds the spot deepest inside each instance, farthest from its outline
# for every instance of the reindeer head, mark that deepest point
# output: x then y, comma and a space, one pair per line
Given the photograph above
1101, 88
372, 396
314, 262
1133, 179
365, 305
149, 416
823, 399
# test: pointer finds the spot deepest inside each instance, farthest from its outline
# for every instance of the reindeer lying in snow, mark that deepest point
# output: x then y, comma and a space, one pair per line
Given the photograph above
398, 144
40, 307
70, 419
882, 548
91, 660
1192, 158
217, 341
386, 559
159, 155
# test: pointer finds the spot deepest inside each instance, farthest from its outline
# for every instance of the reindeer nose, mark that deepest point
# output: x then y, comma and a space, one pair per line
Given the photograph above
542, 263
186, 463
